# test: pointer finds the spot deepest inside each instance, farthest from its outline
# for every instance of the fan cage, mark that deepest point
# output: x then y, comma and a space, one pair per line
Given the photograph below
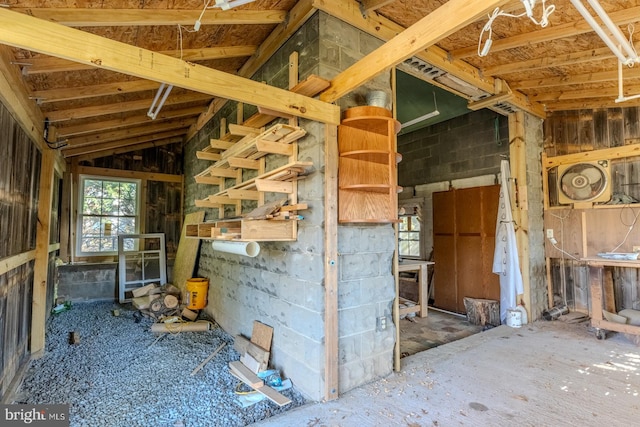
584, 182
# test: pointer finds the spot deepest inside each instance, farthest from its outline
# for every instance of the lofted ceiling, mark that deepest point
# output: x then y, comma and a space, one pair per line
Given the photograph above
98, 106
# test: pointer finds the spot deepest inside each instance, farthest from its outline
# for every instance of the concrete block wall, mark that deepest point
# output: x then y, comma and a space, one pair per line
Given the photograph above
463, 147
284, 286
88, 281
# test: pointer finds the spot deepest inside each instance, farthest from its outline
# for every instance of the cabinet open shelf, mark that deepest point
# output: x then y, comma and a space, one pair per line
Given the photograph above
367, 170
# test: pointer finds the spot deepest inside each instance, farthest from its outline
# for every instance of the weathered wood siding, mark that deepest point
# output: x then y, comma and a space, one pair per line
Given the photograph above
569, 132
19, 180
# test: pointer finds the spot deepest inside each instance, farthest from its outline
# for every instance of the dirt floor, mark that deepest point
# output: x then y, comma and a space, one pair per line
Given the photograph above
543, 374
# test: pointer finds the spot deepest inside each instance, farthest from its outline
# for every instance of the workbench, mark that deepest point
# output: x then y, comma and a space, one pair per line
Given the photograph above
421, 267
596, 268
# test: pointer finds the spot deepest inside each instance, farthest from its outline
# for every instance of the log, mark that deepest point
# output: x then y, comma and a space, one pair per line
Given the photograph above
188, 314
170, 301
482, 311
142, 291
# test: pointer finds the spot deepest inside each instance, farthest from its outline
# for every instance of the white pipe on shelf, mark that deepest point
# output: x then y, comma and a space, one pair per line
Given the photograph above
250, 249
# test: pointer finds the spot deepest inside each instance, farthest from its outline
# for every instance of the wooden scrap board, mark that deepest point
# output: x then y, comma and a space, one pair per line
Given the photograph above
187, 251
262, 335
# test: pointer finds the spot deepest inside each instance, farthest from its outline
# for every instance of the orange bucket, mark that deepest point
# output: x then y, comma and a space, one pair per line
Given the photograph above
196, 292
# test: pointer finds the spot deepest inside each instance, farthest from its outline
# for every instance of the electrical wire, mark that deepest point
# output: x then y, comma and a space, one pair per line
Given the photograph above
631, 226
483, 50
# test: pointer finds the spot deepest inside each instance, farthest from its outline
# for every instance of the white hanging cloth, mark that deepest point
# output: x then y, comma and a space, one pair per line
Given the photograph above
505, 257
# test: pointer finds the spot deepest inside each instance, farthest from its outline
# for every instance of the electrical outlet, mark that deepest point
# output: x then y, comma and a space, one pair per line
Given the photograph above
549, 233
381, 323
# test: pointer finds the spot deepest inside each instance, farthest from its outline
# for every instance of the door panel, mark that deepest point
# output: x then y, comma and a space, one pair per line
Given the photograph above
444, 277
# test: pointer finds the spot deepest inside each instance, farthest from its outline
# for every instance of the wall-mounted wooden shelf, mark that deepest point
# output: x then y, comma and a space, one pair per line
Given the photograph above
367, 172
257, 230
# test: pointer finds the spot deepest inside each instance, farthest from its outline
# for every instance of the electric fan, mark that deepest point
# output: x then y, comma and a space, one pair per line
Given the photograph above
584, 182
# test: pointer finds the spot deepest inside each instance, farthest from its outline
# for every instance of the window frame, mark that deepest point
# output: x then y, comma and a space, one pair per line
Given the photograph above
82, 178
419, 240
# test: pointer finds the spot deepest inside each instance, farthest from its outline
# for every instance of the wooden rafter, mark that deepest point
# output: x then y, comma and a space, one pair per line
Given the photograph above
34, 34
550, 33
85, 149
115, 135
83, 92
603, 76
367, 6
105, 152
52, 64
138, 119
440, 23
572, 58
566, 95
590, 104
104, 109
94, 17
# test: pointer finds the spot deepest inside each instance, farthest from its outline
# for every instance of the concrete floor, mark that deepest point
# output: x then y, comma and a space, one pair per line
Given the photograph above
543, 374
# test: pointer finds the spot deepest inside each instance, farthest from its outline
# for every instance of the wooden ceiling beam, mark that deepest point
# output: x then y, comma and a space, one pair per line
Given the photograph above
53, 39
440, 23
120, 107
574, 58
566, 95
53, 64
297, 16
94, 17
568, 29
128, 148
84, 92
590, 104
385, 29
115, 135
16, 99
93, 127
86, 149
367, 6
603, 76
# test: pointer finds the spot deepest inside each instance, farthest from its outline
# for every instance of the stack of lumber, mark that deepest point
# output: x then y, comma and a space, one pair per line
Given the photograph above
254, 358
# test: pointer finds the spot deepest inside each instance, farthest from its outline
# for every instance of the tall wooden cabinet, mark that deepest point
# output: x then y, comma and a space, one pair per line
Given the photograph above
367, 169
464, 226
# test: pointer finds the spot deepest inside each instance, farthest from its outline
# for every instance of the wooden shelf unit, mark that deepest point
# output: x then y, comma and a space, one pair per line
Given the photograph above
367, 171
256, 230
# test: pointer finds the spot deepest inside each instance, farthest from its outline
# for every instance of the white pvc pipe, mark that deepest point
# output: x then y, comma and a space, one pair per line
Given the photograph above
250, 249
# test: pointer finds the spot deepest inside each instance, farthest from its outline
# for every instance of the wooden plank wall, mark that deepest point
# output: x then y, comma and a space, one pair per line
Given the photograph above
569, 132
15, 321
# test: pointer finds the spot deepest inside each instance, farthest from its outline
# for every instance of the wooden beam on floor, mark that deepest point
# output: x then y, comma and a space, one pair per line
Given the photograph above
34, 34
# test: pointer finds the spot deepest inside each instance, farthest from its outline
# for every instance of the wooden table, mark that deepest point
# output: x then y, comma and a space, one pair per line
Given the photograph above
596, 268
423, 285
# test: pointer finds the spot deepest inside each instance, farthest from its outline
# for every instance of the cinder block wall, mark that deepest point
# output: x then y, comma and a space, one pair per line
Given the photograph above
463, 147
284, 286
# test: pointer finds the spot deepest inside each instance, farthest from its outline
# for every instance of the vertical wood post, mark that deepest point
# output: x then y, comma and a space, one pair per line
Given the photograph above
520, 204
41, 266
331, 380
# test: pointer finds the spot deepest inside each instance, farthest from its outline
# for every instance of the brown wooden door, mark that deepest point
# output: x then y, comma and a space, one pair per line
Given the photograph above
464, 241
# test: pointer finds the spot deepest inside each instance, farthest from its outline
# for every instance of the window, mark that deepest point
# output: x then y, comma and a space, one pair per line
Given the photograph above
108, 207
409, 236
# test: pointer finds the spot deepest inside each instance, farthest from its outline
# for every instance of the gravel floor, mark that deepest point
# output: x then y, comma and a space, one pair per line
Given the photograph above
118, 376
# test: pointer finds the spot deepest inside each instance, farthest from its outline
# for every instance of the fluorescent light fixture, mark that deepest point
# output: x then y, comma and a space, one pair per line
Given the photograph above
619, 45
229, 4
424, 117
154, 113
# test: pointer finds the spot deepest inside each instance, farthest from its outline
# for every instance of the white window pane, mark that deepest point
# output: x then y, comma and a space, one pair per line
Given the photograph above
415, 223
414, 248
91, 226
403, 225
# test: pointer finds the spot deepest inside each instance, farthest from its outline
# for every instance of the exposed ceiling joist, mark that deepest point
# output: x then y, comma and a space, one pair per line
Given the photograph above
566, 95
590, 104
439, 24
550, 33
604, 76
94, 148
84, 92
116, 135
95, 17
127, 149
571, 58
93, 127
52, 64
297, 16
119, 107
367, 6
34, 34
